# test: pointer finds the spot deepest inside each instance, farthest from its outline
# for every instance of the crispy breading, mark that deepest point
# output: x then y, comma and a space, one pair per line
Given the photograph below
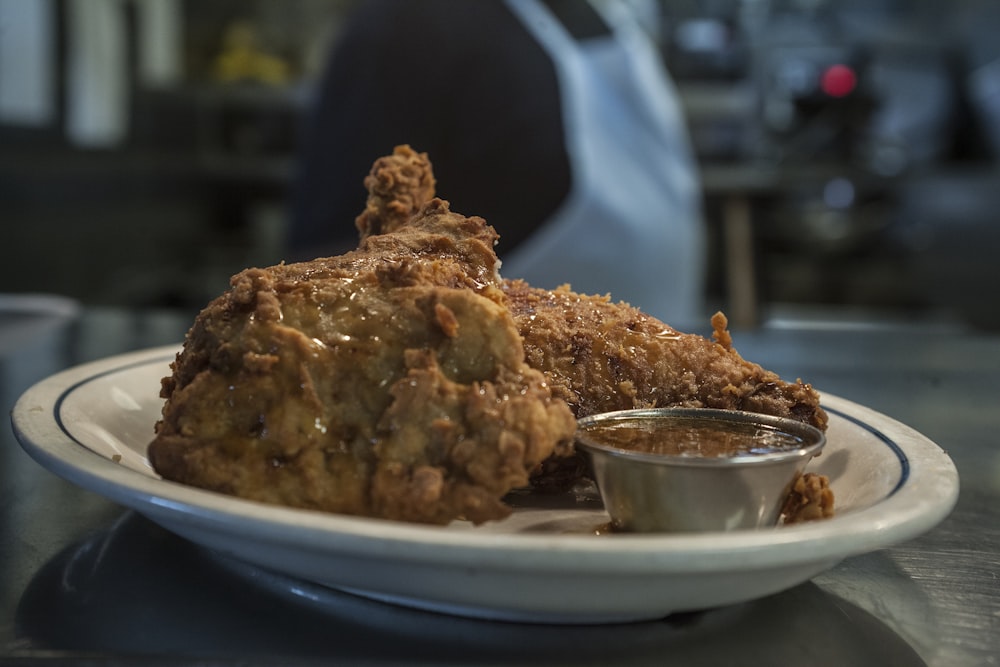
407, 380
810, 499
388, 382
602, 356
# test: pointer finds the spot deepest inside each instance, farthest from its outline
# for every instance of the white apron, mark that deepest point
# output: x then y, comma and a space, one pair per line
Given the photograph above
631, 224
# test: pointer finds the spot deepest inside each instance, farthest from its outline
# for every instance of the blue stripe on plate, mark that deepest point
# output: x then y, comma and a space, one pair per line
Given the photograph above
57, 406
904, 463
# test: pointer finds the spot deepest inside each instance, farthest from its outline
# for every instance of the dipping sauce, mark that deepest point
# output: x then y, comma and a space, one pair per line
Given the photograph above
692, 436
695, 469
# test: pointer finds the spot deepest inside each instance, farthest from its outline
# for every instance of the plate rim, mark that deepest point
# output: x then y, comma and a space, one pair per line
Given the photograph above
38, 428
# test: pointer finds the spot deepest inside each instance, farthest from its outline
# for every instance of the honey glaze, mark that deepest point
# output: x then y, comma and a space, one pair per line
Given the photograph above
692, 437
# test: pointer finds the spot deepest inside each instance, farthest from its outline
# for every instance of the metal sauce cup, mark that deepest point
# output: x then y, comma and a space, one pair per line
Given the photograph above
677, 484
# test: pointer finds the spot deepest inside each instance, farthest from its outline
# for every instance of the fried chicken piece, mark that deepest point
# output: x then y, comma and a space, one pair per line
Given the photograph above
387, 382
810, 499
602, 356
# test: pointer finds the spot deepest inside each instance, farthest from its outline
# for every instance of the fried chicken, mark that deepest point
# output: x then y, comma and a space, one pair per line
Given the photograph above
602, 356
386, 382
407, 380
810, 499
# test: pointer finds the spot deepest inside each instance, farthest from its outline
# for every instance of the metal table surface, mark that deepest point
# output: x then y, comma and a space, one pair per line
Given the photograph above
85, 581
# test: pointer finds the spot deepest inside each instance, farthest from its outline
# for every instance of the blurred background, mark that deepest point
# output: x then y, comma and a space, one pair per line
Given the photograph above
849, 151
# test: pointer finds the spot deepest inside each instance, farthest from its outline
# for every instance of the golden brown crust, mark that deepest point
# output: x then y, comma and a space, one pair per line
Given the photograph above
387, 382
406, 380
602, 356
810, 498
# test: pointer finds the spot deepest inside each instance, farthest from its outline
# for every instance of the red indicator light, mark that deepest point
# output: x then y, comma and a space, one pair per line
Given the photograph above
838, 80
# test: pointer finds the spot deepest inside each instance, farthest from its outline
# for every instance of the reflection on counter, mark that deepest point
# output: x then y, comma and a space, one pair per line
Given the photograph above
89, 599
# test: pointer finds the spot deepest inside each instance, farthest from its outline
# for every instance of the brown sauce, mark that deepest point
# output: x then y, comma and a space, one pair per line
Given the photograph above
692, 436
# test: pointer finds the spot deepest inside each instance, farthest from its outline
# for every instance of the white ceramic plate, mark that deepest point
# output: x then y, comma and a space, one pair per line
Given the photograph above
91, 425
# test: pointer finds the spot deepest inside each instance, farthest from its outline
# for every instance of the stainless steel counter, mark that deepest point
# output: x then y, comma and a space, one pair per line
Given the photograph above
84, 580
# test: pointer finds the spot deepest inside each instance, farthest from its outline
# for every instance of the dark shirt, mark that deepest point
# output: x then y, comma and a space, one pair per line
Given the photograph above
462, 81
